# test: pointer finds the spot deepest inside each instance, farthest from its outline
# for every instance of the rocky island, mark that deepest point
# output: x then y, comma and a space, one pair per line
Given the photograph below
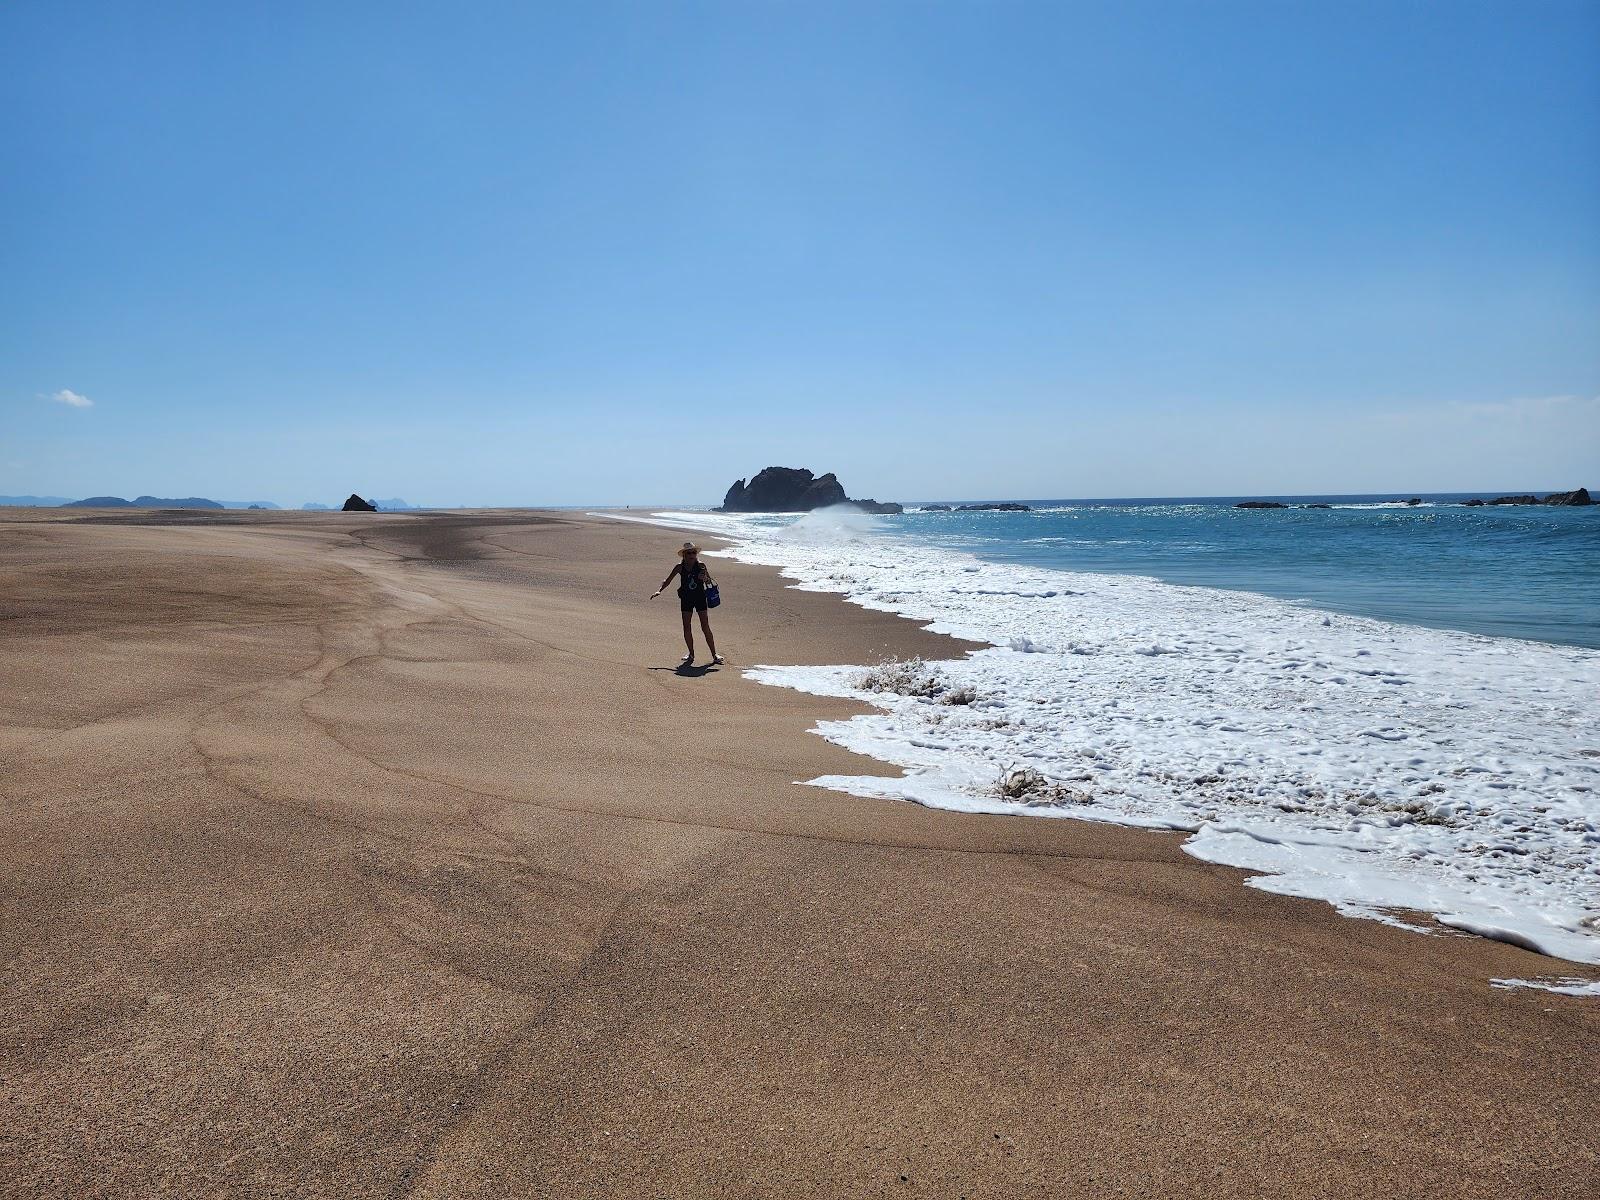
794, 489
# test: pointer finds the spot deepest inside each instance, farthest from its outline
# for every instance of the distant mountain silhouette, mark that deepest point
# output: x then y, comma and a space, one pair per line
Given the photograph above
143, 502
169, 502
315, 507
248, 504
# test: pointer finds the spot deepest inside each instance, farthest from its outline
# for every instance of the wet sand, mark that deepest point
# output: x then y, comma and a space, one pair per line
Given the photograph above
386, 855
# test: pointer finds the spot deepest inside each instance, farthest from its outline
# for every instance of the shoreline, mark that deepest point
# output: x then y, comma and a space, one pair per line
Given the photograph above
1389, 811
283, 793
1582, 640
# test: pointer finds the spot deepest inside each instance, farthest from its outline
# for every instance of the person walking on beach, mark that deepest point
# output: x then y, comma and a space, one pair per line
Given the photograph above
693, 579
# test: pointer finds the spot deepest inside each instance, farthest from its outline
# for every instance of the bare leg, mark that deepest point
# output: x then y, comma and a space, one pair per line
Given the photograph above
705, 624
688, 633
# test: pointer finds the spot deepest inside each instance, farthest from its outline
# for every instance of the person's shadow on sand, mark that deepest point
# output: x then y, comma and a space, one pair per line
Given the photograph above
689, 670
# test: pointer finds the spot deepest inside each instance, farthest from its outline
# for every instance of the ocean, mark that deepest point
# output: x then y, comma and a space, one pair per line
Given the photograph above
1507, 571
1394, 708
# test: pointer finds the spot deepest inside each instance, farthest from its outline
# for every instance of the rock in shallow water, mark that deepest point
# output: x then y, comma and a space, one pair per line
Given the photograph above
1575, 499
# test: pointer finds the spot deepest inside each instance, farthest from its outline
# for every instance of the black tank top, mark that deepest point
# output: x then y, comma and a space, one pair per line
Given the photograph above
689, 579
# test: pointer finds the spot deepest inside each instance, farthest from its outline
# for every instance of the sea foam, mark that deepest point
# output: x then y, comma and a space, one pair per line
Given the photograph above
1385, 769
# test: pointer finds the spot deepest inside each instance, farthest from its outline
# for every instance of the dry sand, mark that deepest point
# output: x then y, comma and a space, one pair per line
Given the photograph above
354, 855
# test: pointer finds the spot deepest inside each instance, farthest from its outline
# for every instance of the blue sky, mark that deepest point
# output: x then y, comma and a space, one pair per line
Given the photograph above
586, 253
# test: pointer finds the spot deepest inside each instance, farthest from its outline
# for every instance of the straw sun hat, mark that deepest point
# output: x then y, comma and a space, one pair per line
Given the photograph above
688, 548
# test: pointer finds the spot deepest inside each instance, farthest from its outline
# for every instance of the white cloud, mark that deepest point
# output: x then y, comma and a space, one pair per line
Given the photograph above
71, 399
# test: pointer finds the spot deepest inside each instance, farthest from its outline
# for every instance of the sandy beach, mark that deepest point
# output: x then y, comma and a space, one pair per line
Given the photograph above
372, 855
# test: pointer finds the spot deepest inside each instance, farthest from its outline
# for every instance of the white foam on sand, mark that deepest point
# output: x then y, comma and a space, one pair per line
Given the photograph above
1566, 987
1379, 767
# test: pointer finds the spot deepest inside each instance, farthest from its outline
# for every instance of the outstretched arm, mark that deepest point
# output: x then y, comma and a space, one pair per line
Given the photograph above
676, 568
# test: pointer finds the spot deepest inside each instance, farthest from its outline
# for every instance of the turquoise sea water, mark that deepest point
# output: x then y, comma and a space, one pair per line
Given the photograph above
1507, 571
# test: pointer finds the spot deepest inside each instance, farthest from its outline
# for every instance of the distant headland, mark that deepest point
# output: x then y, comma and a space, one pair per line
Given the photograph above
394, 504
145, 502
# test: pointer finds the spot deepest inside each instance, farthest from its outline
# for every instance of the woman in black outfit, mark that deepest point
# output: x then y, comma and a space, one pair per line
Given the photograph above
692, 580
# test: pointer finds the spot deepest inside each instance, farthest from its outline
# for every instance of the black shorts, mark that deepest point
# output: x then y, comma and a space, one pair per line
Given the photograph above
693, 601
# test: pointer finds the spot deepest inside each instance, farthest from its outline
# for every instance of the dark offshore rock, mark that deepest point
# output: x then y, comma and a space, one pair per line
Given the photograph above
1006, 506
825, 491
1414, 501
1316, 506
1575, 499
934, 508
784, 489
357, 504
794, 489
1260, 504
1474, 503
881, 508
822, 492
